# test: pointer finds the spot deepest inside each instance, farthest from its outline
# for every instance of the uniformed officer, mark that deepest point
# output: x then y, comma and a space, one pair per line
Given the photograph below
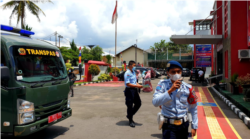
131, 92
175, 96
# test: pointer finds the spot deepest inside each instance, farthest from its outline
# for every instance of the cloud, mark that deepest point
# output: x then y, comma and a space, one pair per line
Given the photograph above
89, 22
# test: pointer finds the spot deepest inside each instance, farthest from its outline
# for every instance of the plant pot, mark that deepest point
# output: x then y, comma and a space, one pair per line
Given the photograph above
223, 86
235, 88
246, 92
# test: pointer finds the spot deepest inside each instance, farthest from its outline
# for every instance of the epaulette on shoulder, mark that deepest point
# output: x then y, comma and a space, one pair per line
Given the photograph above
163, 80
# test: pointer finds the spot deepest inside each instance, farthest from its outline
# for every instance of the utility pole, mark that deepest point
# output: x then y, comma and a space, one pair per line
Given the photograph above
60, 36
56, 38
136, 52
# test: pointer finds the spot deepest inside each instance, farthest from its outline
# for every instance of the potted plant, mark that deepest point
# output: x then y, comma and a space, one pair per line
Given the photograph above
94, 70
222, 84
233, 84
244, 82
115, 70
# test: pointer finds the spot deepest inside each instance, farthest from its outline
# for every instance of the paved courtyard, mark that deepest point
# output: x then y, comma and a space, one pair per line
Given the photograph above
99, 113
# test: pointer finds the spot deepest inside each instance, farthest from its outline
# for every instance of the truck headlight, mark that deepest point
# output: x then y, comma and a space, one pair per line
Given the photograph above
68, 101
25, 110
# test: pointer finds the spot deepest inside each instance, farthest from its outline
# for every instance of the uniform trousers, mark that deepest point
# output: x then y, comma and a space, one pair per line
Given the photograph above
133, 101
170, 131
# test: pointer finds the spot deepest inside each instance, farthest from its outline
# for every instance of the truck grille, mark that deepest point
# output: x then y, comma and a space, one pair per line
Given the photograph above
43, 111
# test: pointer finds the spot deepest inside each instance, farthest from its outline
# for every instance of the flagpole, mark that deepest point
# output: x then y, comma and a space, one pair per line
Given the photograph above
115, 38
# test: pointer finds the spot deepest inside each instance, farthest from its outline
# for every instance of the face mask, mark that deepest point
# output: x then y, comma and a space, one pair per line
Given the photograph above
133, 68
175, 77
69, 70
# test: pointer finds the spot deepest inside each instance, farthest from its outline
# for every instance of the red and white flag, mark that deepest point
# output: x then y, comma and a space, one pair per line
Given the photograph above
115, 15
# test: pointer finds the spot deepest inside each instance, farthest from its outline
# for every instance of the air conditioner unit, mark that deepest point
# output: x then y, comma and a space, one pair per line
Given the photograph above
244, 53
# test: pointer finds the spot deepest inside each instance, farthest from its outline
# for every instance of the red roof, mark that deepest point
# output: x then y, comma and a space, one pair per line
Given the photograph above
97, 62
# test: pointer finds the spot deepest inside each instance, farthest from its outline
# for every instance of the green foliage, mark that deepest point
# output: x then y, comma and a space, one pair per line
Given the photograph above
94, 69
222, 81
87, 56
97, 53
104, 77
19, 9
108, 59
109, 70
234, 77
243, 80
68, 54
163, 46
85, 50
117, 70
27, 28
73, 45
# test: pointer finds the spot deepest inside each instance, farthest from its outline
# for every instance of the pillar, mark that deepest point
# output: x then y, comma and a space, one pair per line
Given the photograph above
86, 72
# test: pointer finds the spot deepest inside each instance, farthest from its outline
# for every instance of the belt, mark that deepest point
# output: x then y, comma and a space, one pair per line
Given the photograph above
176, 121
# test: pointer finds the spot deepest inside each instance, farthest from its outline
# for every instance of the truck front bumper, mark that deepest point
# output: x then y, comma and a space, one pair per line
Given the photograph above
24, 130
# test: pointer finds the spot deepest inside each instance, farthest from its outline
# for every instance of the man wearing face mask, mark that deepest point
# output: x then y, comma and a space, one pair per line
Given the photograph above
175, 96
131, 92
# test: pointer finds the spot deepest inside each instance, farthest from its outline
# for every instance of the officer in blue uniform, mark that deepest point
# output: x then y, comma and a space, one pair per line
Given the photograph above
172, 95
131, 92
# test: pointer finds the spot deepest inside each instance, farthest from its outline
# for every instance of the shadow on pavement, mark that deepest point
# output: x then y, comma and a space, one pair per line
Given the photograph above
125, 123
157, 135
47, 133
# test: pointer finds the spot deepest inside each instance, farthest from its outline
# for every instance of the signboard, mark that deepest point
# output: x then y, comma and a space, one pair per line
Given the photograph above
203, 48
35, 51
203, 61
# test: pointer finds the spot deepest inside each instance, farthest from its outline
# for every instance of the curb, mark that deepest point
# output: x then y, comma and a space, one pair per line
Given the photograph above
237, 111
90, 83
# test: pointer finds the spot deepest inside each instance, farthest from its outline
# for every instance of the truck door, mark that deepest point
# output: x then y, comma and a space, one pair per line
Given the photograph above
6, 99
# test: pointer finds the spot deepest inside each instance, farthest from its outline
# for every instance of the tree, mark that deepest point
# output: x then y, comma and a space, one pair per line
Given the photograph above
68, 54
97, 53
27, 28
85, 50
20, 11
73, 45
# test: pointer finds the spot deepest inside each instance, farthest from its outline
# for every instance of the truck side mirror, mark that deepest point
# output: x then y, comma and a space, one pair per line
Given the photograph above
5, 74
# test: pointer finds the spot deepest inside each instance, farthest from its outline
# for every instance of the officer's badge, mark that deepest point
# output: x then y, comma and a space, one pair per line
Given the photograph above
168, 65
158, 88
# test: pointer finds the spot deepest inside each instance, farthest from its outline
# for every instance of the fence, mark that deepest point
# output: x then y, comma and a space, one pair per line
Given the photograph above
171, 55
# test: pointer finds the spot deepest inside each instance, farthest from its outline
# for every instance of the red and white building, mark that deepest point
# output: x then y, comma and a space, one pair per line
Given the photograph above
228, 34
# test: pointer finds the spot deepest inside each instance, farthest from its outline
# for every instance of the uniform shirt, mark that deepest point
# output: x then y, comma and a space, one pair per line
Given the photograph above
200, 73
130, 77
175, 105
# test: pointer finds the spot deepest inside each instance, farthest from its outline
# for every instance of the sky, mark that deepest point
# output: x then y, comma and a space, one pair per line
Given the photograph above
88, 22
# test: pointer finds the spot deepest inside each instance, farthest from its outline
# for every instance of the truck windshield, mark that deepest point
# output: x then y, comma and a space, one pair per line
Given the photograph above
33, 64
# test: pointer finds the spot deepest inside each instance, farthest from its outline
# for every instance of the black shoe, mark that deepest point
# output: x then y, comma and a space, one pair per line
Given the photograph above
131, 124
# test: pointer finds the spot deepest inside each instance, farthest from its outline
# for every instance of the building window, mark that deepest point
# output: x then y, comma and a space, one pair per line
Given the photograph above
226, 19
226, 64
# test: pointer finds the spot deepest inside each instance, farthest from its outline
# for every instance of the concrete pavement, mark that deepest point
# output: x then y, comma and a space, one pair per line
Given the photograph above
99, 112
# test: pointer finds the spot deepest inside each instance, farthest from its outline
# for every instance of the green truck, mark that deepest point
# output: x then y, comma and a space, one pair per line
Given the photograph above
35, 87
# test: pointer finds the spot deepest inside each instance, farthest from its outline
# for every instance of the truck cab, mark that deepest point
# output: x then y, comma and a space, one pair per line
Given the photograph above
34, 83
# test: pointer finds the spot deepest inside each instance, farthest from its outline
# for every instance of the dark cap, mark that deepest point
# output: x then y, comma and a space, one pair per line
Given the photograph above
173, 64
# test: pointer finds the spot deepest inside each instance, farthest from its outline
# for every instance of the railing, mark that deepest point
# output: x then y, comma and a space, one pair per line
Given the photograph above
171, 55
217, 77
